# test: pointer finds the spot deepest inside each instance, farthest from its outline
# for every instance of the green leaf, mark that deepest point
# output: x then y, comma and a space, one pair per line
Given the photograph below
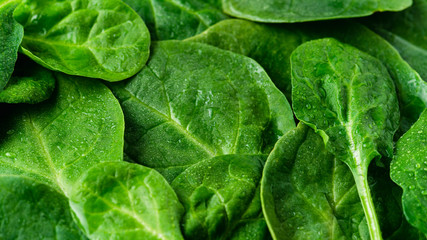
45, 148
99, 38
126, 201
217, 195
308, 10
350, 99
270, 46
407, 31
309, 193
31, 210
177, 19
409, 170
183, 107
11, 34
30, 83
55, 142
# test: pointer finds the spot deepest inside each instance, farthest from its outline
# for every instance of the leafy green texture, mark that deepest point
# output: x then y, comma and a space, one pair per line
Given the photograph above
183, 107
307, 193
99, 38
31, 210
126, 201
55, 142
30, 83
177, 19
308, 10
350, 99
407, 31
409, 170
43, 151
187, 113
217, 192
11, 34
270, 46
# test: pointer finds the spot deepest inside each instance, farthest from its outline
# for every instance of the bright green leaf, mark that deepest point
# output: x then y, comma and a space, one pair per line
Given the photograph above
98, 38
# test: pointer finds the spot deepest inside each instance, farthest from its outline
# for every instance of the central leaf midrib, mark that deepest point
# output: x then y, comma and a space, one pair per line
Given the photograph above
185, 132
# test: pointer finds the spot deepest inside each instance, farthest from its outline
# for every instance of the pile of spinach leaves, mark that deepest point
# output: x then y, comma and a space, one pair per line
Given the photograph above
175, 119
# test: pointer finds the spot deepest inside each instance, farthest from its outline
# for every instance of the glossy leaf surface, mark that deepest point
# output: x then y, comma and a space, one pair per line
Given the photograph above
126, 201
409, 170
308, 10
183, 107
177, 19
56, 141
31, 210
350, 99
30, 83
11, 34
99, 39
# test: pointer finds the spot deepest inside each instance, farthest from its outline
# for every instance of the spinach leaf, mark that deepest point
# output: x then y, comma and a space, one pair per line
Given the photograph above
99, 38
120, 200
309, 193
350, 99
186, 113
30, 83
183, 108
11, 34
409, 170
308, 10
55, 142
31, 210
407, 31
177, 19
270, 46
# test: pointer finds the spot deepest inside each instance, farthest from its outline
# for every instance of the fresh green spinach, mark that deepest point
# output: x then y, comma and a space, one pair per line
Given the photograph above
92, 38
350, 99
308, 10
11, 34
177, 19
409, 170
30, 83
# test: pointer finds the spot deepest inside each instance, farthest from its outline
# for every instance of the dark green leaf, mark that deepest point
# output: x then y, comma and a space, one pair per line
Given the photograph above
184, 107
30, 83
409, 170
31, 210
350, 99
99, 38
11, 34
177, 19
308, 10
120, 200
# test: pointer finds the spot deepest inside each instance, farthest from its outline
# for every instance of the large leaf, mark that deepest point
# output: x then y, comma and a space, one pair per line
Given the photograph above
184, 107
187, 113
45, 148
409, 170
407, 31
11, 34
307, 193
308, 10
30, 83
99, 38
31, 210
126, 201
271, 46
351, 100
177, 19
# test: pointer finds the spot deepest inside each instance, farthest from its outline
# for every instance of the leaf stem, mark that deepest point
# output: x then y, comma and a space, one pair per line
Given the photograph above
368, 205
